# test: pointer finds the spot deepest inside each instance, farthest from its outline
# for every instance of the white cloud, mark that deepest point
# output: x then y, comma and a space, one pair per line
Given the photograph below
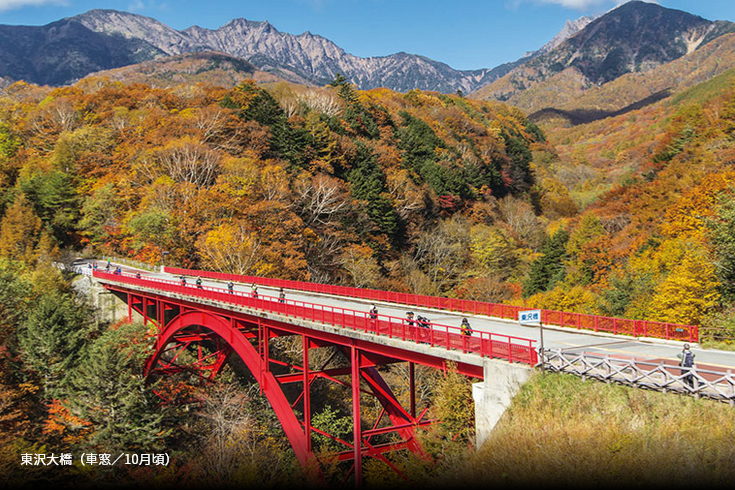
135, 6
586, 4
575, 4
16, 4
140, 5
317, 5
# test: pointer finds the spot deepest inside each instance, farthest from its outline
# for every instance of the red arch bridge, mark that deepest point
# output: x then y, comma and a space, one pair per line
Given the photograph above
212, 324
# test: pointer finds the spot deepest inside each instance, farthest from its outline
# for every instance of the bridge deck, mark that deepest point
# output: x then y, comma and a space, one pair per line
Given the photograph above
437, 340
555, 338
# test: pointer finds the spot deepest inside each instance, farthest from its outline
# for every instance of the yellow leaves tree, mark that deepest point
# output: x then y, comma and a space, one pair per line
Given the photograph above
19, 231
587, 249
683, 285
556, 200
231, 248
360, 262
689, 215
492, 250
689, 291
576, 299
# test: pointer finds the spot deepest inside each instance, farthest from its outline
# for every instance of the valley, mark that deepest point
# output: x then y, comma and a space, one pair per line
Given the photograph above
593, 175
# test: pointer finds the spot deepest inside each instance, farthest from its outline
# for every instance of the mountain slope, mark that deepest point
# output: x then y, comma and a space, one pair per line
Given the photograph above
633, 38
634, 89
189, 68
64, 51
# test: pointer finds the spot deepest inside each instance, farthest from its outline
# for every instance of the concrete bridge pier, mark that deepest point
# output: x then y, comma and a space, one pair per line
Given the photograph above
108, 308
493, 396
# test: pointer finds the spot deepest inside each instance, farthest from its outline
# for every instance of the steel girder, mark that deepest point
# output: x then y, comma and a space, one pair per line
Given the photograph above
182, 325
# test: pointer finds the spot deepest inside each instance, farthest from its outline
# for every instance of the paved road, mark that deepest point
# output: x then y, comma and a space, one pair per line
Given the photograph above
567, 339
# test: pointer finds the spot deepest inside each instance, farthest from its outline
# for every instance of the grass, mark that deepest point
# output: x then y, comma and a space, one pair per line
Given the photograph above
561, 430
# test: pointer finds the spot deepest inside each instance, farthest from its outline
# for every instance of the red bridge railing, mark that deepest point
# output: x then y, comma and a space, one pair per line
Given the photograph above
513, 349
620, 326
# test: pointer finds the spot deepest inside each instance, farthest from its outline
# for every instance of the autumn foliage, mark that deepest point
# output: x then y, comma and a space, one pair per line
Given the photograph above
418, 192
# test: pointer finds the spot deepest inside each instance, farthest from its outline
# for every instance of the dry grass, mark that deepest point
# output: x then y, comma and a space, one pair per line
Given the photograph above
561, 430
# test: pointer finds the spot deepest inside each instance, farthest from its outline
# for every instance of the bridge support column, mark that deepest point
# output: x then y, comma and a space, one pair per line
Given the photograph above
357, 431
493, 396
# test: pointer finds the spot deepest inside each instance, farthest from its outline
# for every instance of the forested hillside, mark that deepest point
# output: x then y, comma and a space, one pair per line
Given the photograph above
402, 191
631, 216
419, 192
654, 239
369, 188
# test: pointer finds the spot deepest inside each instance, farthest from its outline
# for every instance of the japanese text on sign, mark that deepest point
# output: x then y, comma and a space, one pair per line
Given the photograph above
529, 317
92, 459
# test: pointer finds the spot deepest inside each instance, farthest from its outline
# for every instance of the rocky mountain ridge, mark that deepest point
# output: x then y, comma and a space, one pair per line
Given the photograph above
67, 50
307, 56
634, 37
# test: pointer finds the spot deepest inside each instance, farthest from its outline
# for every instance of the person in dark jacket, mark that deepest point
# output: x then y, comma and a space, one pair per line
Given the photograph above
373, 312
686, 361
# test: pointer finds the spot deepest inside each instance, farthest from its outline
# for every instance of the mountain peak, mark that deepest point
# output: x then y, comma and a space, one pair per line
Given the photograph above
97, 16
645, 5
242, 23
634, 37
571, 27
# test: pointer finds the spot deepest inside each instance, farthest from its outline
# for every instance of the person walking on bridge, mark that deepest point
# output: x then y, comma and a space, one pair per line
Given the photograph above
686, 361
466, 329
254, 287
424, 323
230, 287
281, 296
373, 315
199, 282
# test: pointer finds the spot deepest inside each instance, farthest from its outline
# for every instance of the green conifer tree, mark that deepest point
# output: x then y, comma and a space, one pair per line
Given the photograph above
548, 269
51, 338
368, 184
108, 389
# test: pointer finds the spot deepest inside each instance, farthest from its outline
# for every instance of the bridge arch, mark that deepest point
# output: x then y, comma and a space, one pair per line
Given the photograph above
185, 317
226, 330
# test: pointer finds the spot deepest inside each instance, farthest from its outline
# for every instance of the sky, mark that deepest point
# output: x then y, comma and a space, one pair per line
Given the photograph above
465, 34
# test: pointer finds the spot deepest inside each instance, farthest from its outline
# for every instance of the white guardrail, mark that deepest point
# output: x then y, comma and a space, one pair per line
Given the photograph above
717, 385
